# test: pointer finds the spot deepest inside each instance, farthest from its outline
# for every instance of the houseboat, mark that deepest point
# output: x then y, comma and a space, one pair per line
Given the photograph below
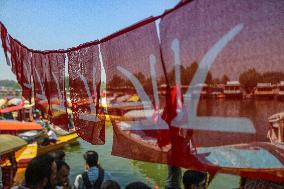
233, 90
264, 90
280, 93
201, 90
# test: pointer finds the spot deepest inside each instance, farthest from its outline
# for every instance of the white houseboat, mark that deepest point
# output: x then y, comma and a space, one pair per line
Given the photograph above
233, 90
264, 90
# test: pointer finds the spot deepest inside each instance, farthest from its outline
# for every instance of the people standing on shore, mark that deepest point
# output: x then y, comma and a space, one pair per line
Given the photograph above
94, 175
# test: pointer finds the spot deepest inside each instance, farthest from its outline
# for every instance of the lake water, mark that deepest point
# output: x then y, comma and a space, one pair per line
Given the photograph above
126, 171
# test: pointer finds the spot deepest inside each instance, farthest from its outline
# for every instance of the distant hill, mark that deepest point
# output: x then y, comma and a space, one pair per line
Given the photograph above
9, 83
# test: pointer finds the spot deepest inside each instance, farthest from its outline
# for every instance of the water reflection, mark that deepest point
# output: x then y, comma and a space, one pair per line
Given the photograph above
126, 171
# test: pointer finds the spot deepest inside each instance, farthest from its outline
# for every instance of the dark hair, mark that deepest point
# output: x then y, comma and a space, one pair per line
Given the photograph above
191, 177
60, 164
38, 169
58, 155
137, 185
110, 184
91, 158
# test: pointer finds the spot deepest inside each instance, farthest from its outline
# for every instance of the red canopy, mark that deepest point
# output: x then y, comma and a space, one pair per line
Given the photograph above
18, 126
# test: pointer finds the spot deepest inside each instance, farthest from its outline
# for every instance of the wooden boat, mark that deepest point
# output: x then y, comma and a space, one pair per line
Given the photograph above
255, 159
61, 142
9, 144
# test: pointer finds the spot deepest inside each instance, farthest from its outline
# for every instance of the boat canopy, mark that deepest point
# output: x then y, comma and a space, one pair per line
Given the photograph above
18, 126
10, 143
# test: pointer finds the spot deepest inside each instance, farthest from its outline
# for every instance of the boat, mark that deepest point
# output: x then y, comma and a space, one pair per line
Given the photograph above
276, 128
9, 144
61, 142
280, 94
201, 90
254, 159
14, 127
233, 90
264, 90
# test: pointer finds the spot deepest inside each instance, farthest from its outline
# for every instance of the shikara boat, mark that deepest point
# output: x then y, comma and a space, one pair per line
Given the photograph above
256, 159
61, 142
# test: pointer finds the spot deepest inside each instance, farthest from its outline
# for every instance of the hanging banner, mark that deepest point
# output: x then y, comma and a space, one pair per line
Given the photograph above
84, 70
224, 53
56, 90
136, 97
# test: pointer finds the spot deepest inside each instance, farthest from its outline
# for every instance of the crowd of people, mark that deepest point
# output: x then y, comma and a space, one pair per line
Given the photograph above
50, 171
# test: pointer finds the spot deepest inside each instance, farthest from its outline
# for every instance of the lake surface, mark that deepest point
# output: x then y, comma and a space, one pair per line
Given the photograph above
126, 171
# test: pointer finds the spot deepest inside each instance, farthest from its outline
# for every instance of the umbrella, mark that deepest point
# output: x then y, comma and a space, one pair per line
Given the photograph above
10, 143
14, 101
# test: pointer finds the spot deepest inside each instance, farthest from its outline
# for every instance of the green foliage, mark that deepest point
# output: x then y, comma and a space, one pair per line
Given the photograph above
9, 83
249, 79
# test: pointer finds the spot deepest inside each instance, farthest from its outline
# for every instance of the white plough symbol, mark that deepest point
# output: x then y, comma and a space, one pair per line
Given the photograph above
185, 118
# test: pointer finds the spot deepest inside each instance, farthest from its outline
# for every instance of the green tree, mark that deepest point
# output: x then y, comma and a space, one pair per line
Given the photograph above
225, 79
249, 79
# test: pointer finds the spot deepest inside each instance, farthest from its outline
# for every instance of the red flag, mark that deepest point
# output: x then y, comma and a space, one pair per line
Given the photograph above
84, 70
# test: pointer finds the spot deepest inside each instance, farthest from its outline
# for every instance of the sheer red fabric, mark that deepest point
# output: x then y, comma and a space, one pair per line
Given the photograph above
41, 78
207, 43
21, 66
84, 70
5, 41
136, 95
56, 90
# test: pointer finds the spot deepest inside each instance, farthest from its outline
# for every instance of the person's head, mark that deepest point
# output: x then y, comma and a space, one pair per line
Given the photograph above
194, 179
41, 172
63, 171
58, 155
137, 185
110, 184
91, 158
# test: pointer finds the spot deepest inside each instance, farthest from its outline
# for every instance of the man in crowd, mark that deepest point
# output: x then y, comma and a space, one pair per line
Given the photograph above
63, 171
40, 173
94, 175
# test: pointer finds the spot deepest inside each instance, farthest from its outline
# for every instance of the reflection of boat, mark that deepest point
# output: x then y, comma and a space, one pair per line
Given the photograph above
264, 90
61, 142
276, 129
233, 90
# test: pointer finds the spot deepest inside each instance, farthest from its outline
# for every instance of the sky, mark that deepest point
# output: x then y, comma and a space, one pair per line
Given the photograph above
61, 24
